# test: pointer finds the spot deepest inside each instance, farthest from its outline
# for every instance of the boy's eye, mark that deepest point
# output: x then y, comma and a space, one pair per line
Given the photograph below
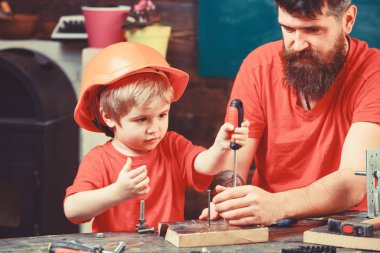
163, 115
141, 119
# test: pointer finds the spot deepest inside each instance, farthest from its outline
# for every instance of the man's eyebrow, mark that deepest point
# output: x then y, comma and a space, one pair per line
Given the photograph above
303, 28
285, 26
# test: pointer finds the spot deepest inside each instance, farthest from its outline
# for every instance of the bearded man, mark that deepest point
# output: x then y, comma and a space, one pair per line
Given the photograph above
313, 102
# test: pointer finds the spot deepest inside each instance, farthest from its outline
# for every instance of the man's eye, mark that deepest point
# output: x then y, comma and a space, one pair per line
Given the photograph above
313, 30
288, 29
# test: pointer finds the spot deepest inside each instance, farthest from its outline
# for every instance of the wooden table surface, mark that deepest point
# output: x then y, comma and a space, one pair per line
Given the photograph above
279, 238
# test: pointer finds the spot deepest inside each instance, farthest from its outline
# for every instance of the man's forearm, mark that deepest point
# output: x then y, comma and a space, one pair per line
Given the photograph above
333, 193
225, 178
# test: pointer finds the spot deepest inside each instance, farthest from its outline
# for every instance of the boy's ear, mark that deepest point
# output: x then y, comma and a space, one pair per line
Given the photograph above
109, 121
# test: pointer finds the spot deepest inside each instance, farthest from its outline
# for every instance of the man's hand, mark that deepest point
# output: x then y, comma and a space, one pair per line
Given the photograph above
132, 183
247, 205
213, 214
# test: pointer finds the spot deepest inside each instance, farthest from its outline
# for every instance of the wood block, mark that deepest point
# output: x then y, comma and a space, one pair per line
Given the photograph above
323, 236
197, 233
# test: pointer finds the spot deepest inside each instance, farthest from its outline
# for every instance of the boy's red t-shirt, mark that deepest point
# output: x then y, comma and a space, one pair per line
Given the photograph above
170, 170
298, 146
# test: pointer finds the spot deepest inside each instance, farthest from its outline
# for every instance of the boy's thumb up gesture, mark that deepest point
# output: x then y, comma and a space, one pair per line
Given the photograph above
132, 182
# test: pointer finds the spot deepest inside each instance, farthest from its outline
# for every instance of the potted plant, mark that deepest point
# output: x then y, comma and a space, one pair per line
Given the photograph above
142, 26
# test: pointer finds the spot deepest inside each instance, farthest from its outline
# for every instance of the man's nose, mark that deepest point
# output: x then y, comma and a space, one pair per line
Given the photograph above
300, 43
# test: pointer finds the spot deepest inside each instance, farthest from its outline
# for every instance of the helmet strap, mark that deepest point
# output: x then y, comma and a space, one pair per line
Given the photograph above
98, 122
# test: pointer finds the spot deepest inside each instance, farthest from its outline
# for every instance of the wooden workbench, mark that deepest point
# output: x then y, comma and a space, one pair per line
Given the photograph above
279, 238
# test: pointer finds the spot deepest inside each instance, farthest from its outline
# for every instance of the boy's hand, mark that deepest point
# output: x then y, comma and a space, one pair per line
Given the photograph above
211, 161
228, 134
132, 183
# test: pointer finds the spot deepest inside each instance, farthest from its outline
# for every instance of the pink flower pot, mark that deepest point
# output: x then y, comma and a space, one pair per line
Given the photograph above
104, 24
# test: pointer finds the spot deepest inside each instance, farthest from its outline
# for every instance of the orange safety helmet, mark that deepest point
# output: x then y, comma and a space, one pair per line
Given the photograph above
113, 63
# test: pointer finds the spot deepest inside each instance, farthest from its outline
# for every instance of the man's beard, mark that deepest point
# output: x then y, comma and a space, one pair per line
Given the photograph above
313, 78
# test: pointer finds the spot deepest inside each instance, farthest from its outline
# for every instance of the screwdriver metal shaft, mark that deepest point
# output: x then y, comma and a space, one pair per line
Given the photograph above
235, 167
209, 206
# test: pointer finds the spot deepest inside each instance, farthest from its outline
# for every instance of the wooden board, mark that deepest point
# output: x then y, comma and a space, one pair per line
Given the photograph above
322, 236
197, 233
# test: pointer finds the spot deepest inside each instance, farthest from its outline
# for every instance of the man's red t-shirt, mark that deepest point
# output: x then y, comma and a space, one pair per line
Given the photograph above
298, 146
170, 170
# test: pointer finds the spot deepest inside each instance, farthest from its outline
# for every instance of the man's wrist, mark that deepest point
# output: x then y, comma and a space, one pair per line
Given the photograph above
225, 178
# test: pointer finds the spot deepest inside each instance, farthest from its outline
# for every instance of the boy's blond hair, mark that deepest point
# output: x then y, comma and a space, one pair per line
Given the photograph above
140, 89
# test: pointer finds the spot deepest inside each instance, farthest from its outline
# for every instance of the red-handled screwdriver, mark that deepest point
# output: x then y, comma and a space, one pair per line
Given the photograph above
76, 246
235, 117
73, 246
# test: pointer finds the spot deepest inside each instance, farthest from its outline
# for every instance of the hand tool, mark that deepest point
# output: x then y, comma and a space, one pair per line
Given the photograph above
373, 188
310, 249
76, 246
346, 227
364, 228
284, 223
67, 246
235, 117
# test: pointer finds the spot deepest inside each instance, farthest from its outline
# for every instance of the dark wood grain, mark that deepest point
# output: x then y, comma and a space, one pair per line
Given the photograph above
202, 226
201, 233
279, 238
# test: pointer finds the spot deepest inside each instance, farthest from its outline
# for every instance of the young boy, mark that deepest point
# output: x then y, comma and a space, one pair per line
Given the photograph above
126, 93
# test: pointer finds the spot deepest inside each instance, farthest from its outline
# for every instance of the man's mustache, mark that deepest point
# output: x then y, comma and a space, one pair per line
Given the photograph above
292, 56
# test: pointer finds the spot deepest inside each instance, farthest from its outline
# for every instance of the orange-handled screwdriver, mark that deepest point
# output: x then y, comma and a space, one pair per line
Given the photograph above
235, 117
